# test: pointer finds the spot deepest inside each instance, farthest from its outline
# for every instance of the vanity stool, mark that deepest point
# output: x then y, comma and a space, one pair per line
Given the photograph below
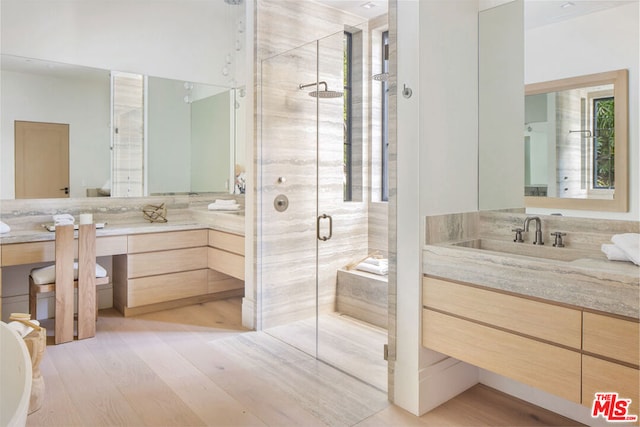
65, 276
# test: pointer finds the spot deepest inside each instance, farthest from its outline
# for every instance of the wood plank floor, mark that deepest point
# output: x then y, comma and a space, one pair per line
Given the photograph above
197, 366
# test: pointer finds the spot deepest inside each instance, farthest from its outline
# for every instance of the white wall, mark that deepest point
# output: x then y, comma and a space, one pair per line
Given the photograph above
437, 143
180, 39
82, 103
573, 48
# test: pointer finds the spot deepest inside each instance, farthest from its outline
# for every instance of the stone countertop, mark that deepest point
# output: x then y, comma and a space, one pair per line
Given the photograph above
189, 219
592, 283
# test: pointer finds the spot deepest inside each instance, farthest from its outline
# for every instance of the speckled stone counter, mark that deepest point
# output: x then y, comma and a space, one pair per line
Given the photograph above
578, 275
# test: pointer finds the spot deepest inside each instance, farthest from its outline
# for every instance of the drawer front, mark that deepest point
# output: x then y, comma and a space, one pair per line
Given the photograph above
603, 376
165, 241
226, 241
28, 253
154, 263
167, 287
545, 321
219, 282
541, 365
32, 252
611, 337
227, 263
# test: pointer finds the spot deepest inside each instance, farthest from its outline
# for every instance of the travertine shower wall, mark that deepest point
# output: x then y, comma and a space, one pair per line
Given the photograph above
288, 124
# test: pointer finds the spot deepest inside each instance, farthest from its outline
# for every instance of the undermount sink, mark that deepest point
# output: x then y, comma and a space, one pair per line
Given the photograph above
524, 249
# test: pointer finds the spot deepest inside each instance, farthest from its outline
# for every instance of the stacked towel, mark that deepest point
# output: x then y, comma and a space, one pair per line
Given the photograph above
63, 219
378, 266
224, 205
625, 247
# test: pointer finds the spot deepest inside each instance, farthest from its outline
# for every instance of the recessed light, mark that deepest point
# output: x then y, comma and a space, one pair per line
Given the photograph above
567, 4
368, 5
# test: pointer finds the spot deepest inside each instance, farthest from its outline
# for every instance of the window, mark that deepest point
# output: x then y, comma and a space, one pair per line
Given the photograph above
348, 110
603, 143
385, 119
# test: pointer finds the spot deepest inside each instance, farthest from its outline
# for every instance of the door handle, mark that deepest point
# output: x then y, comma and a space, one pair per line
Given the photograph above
65, 189
321, 217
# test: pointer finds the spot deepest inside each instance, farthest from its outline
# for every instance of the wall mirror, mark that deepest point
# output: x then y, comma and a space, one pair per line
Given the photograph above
576, 141
190, 128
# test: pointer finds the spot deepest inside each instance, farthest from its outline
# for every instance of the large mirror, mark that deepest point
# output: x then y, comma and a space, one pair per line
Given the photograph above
575, 136
188, 130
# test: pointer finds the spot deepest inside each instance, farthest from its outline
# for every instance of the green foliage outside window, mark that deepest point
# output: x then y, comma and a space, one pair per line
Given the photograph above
604, 143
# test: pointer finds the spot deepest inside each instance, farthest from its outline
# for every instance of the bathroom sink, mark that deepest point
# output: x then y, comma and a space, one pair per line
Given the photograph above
523, 249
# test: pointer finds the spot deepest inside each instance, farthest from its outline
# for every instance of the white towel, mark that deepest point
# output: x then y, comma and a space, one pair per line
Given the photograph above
377, 261
614, 253
63, 219
4, 228
22, 329
381, 270
225, 202
629, 243
215, 206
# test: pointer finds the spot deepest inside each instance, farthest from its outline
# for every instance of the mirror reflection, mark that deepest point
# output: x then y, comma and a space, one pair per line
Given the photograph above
187, 134
569, 138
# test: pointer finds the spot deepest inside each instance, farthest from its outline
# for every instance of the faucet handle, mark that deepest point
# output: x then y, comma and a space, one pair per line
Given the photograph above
558, 239
518, 232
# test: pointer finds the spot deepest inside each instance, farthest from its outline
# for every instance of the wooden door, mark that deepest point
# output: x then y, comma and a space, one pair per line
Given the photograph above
41, 160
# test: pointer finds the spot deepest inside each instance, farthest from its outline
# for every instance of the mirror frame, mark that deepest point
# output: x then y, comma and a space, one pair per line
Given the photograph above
620, 80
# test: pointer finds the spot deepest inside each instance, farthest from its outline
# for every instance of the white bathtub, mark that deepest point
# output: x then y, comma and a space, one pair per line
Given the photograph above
15, 378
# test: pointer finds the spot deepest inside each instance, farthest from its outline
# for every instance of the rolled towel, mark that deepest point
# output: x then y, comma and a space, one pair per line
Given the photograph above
629, 243
381, 270
63, 219
614, 253
22, 329
4, 228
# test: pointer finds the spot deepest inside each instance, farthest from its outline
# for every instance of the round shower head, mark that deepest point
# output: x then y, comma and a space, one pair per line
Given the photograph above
382, 77
325, 94
233, 2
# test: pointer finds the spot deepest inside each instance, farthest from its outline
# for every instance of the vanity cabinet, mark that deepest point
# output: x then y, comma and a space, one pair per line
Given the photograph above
226, 253
611, 358
565, 351
530, 341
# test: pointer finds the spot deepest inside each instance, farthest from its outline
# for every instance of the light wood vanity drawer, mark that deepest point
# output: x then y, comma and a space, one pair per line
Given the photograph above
541, 365
220, 282
32, 252
545, 321
163, 262
611, 337
166, 241
602, 376
168, 287
226, 241
226, 262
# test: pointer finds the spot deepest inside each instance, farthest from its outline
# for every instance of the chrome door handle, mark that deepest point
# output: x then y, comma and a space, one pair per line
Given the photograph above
321, 217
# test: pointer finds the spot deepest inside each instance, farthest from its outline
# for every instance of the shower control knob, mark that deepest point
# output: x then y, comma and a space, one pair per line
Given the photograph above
282, 180
281, 203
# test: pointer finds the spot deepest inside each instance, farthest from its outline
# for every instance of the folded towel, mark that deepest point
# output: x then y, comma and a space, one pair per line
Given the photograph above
22, 329
63, 219
225, 202
223, 207
45, 275
377, 261
381, 270
4, 228
629, 243
614, 253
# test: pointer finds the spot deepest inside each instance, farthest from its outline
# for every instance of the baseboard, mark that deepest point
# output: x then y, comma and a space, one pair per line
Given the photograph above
249, 320
443, 381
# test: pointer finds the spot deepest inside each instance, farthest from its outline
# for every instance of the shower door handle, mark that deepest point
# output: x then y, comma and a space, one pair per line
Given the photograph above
321, 217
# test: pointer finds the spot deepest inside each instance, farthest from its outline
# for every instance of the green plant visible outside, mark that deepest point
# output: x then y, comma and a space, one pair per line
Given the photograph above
604, 143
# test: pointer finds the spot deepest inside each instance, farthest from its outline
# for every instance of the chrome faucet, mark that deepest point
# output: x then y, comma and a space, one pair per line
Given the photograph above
538, 239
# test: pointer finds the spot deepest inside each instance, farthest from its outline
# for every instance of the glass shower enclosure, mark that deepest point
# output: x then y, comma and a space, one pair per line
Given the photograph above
311, 226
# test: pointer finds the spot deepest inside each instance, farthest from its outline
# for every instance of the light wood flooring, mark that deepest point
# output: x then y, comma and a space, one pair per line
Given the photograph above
197, 366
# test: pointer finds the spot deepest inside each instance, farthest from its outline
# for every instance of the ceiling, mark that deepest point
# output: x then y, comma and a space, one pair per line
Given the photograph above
537, 12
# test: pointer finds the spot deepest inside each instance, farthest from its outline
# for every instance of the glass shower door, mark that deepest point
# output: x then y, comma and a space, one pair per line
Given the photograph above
288, 197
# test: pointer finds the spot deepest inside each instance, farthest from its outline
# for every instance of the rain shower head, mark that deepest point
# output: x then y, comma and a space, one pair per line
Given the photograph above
326, 93
382, 77
233, 2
